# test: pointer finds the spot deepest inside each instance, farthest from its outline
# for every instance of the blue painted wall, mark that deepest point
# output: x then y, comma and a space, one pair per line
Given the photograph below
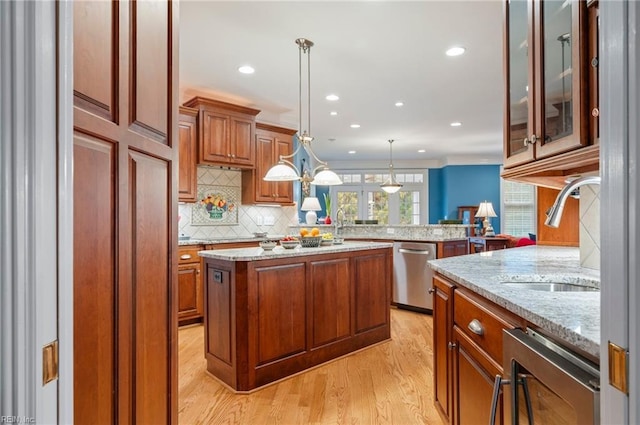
458, 185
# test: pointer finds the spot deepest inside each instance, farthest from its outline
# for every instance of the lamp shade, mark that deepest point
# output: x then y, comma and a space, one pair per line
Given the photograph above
281, 172
326, 177
311, 203
486, 210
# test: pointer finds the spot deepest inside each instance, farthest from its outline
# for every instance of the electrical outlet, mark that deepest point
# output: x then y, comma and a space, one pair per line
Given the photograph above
391, 230
269, 220
437, 232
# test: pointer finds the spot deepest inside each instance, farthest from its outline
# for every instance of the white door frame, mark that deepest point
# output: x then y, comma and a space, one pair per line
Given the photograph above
31, 213
620, 200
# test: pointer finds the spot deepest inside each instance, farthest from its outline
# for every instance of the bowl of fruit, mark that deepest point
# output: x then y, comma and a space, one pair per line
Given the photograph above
310, 238
327, 239
289, 242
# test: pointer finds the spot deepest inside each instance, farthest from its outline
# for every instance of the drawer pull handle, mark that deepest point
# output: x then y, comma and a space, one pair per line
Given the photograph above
476, 327
185, 257
451, 345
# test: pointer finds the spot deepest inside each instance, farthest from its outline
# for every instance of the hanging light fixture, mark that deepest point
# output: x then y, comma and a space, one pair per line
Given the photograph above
391, 185
285, 170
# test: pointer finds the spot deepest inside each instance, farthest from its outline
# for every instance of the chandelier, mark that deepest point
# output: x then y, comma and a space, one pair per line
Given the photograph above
285, 170
391, 185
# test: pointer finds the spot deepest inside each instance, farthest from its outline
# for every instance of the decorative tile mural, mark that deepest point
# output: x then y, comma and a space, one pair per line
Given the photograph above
217, 205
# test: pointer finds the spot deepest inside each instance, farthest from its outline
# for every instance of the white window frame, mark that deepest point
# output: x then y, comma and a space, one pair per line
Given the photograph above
364, 187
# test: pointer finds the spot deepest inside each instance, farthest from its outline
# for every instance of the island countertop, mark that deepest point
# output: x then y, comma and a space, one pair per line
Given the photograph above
257, 253
570, 316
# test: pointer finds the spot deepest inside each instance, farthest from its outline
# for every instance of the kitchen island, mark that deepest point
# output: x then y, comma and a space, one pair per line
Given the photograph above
271, 314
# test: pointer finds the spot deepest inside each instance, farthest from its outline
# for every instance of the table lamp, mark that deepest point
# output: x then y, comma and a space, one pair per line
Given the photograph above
311, 205
486, 210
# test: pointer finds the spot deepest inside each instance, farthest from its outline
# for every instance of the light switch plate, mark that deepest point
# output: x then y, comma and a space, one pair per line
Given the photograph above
437, 232
391, 230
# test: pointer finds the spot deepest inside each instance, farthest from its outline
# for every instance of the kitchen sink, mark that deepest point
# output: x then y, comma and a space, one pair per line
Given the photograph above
551, 286
550, 283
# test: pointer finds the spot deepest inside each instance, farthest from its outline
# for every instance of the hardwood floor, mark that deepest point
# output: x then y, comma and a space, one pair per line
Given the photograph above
391, 383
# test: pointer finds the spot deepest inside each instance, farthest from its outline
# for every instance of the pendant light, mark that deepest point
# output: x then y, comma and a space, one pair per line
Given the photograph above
391, 185
285, 170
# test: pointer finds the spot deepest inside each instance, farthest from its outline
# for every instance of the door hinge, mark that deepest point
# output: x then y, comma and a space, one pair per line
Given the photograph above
49, 362
618, 367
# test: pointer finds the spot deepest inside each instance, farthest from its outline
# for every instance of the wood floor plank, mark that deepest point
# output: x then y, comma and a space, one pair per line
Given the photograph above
391, 383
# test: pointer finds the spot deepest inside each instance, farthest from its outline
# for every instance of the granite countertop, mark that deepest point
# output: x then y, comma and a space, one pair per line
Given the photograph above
257, 253
570, 316
227, 240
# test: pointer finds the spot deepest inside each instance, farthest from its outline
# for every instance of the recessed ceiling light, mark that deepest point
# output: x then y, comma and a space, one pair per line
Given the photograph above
456, 124
455, 51
334, 113
332, 97
399, 104
422, 150
246, 69
352, 152
355, 125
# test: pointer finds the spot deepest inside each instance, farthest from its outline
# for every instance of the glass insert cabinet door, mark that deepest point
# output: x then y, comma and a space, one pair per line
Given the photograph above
545, 67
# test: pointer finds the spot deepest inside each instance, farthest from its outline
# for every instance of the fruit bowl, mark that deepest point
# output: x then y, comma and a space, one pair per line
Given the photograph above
310, 241
268, 245
289, 244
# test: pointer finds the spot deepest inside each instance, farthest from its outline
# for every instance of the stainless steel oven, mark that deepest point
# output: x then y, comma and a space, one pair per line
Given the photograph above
548, 383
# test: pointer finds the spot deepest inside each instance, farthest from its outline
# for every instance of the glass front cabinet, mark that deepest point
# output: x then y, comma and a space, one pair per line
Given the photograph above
549, 67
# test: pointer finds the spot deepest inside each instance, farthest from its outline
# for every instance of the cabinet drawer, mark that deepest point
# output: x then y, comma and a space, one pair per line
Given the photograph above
189, 254
482, 322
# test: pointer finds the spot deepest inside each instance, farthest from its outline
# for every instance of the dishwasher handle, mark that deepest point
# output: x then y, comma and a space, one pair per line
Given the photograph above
413, 251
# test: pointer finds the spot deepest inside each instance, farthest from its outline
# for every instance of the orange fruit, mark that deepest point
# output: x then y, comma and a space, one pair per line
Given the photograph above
304, 232
315, 231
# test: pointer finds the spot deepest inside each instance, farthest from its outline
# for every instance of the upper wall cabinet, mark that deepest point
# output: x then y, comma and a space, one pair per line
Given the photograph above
550, 68
226, 133
271, 142
188, 156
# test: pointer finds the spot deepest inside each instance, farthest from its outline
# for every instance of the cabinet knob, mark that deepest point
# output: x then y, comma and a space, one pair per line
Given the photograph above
233, 156
431, 290
530, 140
476, 327
451, 345
229, 155
198, 271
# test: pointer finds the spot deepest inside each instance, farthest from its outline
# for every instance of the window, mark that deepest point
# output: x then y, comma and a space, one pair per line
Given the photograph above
519, 209
360, 197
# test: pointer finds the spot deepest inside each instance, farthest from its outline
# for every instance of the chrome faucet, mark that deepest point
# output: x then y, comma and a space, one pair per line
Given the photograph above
339, 219
554, 214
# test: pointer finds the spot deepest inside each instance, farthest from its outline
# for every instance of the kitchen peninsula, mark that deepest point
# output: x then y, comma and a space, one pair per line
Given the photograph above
271, 314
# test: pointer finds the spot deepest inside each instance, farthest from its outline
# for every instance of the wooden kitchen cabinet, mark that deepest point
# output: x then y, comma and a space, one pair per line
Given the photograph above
549, 98
467, 352
190, 285
125, 212
188, 154
442, 351
452, 248
226, 133
271, 142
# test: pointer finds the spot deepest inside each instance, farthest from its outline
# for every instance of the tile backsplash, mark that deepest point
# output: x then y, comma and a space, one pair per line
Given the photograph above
251, 218
590, 226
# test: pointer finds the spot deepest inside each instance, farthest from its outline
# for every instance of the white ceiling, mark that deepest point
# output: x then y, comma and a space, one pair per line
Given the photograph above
371, 54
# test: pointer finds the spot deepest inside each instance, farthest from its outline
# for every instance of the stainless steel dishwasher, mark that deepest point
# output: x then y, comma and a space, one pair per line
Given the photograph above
412, 275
